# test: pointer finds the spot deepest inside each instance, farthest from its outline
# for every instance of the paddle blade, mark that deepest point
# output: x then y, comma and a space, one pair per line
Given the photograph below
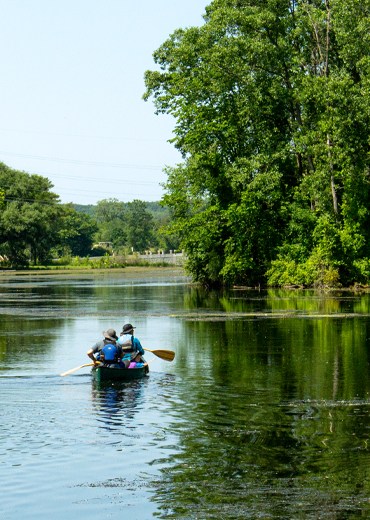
167, 355
76, 368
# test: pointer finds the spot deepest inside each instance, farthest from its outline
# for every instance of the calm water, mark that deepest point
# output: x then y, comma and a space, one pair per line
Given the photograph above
263, 414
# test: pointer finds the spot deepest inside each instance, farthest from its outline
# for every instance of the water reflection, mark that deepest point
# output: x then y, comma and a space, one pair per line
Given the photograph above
244, 455
116, 403
263, 414
276, 424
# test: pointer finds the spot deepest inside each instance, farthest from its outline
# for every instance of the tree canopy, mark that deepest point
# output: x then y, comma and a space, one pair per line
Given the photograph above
28, 213
271, 107
34, 225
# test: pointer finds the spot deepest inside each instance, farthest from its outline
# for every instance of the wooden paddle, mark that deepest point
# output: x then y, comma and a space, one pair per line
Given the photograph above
77, 368
168, 355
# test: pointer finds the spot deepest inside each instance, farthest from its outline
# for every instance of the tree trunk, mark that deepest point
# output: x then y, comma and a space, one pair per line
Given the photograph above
332, 181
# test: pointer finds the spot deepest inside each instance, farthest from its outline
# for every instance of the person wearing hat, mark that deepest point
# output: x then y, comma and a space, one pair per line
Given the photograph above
109, 338
131, 347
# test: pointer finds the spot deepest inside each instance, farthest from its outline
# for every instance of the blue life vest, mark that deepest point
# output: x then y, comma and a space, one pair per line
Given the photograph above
109, 354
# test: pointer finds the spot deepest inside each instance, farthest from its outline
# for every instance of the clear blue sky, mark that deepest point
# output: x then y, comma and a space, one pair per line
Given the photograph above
71, 105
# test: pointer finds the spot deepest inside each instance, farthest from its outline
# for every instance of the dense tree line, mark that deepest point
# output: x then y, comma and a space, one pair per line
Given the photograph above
35, 227
131, 226
272, 109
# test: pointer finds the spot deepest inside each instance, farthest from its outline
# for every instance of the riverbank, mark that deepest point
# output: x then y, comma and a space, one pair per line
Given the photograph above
76, 270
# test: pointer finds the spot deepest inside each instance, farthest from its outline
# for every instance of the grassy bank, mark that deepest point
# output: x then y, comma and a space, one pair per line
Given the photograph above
73, 270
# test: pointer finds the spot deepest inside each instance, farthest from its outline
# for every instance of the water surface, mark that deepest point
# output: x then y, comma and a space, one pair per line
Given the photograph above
264, 413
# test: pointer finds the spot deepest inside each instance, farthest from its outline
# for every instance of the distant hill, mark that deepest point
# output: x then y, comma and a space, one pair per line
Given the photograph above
85, 208
154, 208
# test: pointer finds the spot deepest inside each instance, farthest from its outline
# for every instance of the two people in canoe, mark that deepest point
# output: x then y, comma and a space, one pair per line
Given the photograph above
123, 352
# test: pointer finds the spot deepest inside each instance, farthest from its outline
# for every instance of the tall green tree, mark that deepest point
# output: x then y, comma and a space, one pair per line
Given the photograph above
271, 103
28, 217
110, 215
139, 226
76, 232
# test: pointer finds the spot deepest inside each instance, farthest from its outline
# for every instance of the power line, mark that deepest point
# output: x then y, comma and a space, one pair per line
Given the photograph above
84, 136
54, 200
13, 199
84, 163
100, 179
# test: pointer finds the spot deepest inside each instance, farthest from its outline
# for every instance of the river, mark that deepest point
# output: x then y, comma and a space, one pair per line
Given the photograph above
263, 414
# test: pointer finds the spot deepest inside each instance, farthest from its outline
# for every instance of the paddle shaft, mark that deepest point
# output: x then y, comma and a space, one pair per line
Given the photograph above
76, 368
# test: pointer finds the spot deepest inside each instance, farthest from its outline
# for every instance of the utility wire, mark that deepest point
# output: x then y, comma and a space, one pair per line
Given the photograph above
99, 179
85, 163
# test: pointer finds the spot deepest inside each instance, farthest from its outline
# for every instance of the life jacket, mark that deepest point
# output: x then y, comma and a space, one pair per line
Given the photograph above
109, 354
128, 349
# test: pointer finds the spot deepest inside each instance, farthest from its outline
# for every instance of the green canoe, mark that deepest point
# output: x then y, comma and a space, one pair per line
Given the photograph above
102, 373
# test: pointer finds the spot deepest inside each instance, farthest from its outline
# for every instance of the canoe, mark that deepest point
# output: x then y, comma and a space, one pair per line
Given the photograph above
102, 373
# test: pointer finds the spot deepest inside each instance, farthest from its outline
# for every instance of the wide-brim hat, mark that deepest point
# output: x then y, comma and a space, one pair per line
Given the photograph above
110, 334
127, 328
